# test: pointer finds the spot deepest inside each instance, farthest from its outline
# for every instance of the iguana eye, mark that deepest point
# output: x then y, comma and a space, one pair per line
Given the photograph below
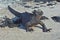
41, 13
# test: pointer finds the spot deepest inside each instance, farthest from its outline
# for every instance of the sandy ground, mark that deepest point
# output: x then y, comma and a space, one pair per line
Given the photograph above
20, 34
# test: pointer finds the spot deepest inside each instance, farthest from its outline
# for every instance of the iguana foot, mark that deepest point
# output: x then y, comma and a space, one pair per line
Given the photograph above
30, 30
47, 30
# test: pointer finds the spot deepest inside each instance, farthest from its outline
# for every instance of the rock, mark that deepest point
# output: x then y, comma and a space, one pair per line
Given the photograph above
58, 0
56, 18
27, 6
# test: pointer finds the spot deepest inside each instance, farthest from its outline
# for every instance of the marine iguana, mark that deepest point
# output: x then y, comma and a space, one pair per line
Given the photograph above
28, 19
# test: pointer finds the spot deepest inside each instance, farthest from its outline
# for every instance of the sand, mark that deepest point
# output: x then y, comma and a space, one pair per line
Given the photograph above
20, 34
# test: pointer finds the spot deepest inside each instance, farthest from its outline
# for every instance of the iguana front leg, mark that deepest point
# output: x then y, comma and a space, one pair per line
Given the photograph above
44, 29
29, 28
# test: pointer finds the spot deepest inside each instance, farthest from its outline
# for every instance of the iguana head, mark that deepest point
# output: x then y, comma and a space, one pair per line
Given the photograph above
38, 12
